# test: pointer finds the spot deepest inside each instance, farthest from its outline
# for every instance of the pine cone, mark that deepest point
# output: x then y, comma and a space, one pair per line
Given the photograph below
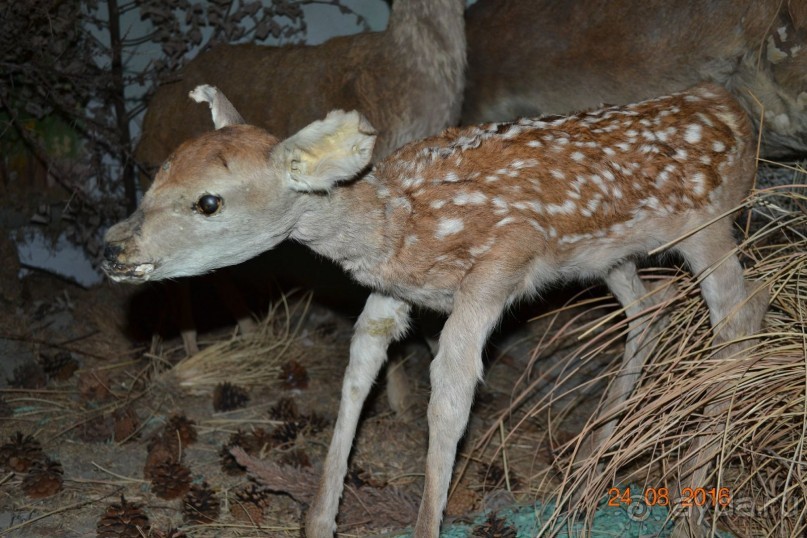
60, 366
126, 424
170, 480
161, 450
253, 493
288, 432
492, 477
253, 443
180, 426
494, 527
28, 375
304, 424
200, 506
260, 440
285, 409
315, 423
249, 504
94, 385
228, 462
293, 375
123, 520
243, 439
20, 453
246, 512
227, 396
44, 479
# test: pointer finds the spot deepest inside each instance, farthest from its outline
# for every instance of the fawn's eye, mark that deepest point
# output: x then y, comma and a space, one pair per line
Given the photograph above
208, 204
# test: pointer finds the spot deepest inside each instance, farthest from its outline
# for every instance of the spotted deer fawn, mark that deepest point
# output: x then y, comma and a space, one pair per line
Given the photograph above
465, 223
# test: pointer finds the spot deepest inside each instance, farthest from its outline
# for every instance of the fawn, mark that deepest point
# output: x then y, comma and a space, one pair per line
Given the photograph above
465, 223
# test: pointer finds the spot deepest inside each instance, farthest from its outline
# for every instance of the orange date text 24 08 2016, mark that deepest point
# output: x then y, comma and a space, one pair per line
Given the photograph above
661, 497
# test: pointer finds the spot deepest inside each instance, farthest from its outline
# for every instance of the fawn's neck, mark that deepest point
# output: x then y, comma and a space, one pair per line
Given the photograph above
348, 225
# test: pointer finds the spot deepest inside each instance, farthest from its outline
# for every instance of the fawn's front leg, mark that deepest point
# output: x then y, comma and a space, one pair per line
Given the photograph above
454, 374
382, 321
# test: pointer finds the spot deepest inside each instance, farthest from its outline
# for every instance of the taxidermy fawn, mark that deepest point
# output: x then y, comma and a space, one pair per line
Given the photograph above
466, 223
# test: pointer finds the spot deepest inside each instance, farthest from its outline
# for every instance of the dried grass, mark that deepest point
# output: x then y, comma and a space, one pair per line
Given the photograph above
761, 432
249, 360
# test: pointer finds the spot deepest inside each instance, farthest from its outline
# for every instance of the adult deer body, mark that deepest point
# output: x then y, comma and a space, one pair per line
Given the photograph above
535, 57
465, 223
407, 80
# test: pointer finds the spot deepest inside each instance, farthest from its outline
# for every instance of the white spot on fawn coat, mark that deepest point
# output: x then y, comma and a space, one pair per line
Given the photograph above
693, 133
447, 226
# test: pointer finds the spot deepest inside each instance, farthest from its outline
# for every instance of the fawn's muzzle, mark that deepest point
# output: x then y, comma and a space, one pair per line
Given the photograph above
111, 252
118, 269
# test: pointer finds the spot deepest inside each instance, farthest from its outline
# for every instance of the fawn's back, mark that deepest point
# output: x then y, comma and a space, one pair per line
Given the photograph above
567, 196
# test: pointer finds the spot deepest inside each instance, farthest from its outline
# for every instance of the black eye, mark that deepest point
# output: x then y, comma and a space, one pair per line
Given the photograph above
208, 204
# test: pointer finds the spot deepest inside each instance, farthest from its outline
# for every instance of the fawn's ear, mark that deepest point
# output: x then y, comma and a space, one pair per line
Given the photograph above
223, 111
326, 151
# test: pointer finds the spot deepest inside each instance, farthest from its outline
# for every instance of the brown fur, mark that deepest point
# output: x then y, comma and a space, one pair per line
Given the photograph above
245, 145
533, 57
407, 80
482, 160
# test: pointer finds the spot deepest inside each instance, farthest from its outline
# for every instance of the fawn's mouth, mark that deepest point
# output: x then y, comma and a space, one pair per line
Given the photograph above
134, 273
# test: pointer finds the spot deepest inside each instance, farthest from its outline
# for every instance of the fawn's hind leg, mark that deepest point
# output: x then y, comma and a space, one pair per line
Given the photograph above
639, 301
735, 311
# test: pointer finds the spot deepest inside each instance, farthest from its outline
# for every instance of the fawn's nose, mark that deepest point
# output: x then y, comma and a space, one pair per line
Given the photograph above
111, 252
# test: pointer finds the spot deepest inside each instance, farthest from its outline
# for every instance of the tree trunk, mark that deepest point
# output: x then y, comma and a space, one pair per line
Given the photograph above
119, 100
